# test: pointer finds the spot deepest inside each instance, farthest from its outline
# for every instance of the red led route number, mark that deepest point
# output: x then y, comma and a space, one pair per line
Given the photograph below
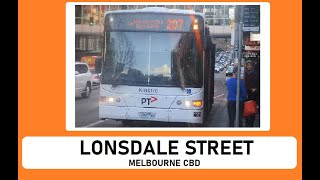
174, 24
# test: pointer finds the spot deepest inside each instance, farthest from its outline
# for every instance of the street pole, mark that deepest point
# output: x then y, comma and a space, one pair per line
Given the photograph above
239, 24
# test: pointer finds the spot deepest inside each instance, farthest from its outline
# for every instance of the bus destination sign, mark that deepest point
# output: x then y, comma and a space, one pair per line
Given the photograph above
152, 22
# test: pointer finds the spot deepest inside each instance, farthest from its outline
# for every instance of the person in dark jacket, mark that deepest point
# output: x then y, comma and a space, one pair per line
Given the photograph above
251, 83
232, 94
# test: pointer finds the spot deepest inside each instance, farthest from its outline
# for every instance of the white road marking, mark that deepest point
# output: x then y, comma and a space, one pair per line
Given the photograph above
218, 95
95, 123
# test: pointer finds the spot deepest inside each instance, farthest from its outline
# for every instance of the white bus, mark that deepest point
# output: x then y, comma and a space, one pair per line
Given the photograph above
156, 66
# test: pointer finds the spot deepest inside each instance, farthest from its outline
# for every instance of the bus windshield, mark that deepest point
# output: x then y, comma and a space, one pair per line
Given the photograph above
162, 59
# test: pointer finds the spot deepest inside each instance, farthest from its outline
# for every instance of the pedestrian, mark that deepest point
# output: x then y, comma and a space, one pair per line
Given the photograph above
251, 83
231, 84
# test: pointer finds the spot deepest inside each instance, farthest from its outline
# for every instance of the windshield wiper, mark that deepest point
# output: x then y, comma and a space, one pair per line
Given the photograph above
115, 83
118, 80
178, 79
182, 86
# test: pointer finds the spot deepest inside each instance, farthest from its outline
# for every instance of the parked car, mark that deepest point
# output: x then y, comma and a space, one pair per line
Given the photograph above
229, 71
96, 79
216, 69
221, 67
83, 80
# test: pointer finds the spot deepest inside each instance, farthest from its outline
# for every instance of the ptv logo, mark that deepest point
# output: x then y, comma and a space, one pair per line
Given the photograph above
148, 100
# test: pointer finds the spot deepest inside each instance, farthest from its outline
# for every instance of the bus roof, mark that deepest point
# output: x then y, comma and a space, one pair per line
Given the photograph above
157, 10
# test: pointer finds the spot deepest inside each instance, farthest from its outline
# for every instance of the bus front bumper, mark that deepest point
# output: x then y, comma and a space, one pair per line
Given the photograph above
151, 114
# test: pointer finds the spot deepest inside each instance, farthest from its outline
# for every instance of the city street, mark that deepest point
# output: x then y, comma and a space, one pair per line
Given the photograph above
168, 58
87, 110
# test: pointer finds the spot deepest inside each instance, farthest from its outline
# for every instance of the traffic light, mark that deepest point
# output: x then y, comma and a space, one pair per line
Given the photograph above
91, 21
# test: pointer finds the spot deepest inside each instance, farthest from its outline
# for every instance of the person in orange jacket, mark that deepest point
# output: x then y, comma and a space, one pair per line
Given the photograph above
251, 84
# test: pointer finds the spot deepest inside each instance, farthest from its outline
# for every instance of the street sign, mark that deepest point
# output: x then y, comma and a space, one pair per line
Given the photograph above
251, 18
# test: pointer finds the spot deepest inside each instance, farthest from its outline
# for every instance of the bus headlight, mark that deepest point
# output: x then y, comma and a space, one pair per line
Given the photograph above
195, 103
187, 103
110, 99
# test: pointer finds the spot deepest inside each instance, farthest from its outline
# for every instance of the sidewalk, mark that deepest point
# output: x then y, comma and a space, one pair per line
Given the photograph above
221, 118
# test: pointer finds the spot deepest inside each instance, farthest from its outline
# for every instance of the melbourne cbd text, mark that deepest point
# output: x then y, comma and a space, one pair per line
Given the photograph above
168, 147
